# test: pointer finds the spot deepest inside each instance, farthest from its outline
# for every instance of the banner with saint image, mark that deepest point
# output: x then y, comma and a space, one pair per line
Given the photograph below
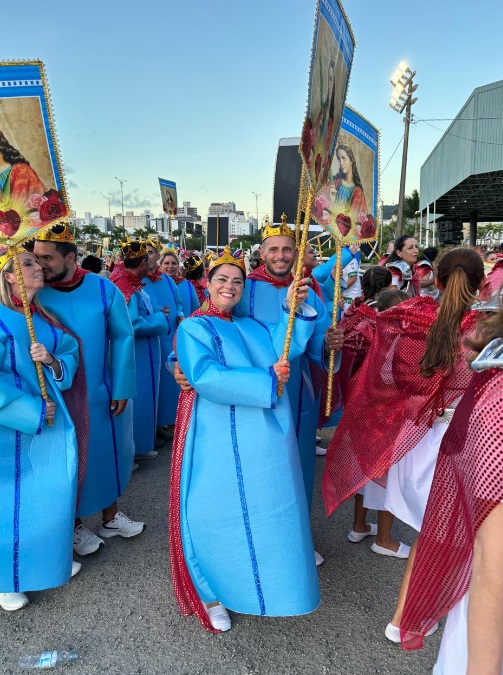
32, 190
168, 195
331, 61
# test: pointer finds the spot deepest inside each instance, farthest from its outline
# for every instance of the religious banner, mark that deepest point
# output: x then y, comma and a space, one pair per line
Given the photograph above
347, 206
32, 191
168, 194
331, 61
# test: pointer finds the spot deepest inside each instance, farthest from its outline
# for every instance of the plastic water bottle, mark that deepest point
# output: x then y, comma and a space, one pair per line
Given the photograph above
47, 659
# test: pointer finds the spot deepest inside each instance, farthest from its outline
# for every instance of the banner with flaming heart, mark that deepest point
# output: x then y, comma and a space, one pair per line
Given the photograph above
32, 191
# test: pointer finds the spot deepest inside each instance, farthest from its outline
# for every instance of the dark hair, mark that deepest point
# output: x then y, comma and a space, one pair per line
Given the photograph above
349, 153
399, 244
374, 281
134, 263
460, 272
91, 263
430, 253
196, 273
390, 298
215, 269
9, 152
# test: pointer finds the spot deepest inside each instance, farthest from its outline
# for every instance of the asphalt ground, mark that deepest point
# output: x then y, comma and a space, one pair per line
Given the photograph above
120, 615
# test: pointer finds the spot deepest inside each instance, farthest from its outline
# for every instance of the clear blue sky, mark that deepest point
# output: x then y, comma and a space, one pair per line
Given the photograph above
200, 92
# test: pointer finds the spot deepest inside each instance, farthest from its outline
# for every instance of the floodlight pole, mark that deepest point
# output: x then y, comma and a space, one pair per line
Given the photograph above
403, 175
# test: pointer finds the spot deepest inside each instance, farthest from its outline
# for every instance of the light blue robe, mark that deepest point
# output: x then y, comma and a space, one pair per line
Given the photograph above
264, 302
96, 312
244, 514
147, 326
164, 293
189, 298
38, 463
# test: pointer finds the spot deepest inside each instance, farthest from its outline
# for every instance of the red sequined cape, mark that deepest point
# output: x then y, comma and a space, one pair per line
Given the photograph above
391, 406
185, 592
467, 485
493, 281
127, 282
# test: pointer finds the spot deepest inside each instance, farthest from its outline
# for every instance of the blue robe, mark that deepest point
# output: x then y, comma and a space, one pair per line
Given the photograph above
38, 463
96, 312
147, 326
244, 514
189, 298
264, 302
164, 293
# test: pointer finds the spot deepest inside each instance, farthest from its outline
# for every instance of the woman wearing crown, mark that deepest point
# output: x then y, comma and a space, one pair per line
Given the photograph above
238, 519
38, 462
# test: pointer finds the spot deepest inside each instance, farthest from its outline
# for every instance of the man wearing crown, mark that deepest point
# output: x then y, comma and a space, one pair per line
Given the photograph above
93, 309
164, 294
148, 326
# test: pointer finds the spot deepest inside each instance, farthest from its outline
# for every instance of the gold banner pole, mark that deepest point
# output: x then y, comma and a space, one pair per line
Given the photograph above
31, 329
335, 311
301, 202
297, 279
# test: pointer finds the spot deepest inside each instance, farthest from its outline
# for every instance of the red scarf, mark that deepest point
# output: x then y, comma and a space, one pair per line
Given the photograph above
209, 309
390, 406
314, 284
178, 278
467, 485
155, 276
127, 282
19, 303
79, 274
260, 274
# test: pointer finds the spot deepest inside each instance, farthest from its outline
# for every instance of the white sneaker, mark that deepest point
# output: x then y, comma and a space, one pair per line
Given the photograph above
393, 632
319, 559
84, 541
76, 567
151, 454
121, 526
356, 537
218, 616
12, 601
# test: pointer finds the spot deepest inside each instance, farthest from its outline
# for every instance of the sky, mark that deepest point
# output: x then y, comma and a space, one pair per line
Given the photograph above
201, 92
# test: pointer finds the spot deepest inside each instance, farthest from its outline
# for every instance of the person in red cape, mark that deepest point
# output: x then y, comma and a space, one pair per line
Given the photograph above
426, 273
401, 263
389, 250
196, 274
415, 370
493, 281
458, 563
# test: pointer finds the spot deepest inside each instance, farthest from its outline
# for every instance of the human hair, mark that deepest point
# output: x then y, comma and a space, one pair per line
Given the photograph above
6, 293
92, 263
134, 263
430, 253
390, 298
215, 269
350, 154
66, 247
487, 330
488, 253
10, 154
198, 271
373, 282
398, 246
166, 254
460, 272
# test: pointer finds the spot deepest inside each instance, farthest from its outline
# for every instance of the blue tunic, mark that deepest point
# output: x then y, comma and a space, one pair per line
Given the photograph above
38, 463
147, 326
264, 302
96, 312
244, 515
189, 298
164, 293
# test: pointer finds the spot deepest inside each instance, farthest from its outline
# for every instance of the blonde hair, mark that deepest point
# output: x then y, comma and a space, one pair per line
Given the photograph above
6, 294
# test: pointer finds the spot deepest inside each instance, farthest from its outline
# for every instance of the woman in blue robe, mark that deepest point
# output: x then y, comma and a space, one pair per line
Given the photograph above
169, 264
239, 519
38, 462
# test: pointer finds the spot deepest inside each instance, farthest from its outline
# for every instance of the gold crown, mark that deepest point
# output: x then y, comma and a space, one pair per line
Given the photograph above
276, 230
8, 253
226, 258
59, 232
155, 243
133, 248
193, 261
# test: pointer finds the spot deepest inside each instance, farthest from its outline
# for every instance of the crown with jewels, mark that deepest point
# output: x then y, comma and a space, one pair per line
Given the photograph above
8, 252
192, 262
58, 232
226, 258
133, 248
276, 230
155, 243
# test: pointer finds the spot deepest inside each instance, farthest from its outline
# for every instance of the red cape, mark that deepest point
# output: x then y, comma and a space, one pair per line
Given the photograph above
493, 281
127, 282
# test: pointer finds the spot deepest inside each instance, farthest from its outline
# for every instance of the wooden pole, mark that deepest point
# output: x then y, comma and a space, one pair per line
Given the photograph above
337, 295
297, 279
31, 328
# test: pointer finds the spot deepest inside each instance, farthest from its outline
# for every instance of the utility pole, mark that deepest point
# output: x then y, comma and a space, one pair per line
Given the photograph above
256, 205
121, 183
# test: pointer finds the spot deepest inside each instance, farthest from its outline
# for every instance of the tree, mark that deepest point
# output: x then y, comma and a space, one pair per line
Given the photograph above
411, 205
116, 236
92, 233
246, 241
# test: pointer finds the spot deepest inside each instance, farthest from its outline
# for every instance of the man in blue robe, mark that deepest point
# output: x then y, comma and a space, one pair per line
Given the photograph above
95, 312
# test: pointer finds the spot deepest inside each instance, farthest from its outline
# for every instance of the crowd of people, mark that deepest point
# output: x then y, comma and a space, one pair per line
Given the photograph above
194, 352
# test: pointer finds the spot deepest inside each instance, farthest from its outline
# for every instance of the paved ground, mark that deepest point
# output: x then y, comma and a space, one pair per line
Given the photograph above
120, 615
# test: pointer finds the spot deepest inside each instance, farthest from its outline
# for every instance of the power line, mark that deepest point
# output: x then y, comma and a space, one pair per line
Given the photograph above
394, 151
460, 119
463, 138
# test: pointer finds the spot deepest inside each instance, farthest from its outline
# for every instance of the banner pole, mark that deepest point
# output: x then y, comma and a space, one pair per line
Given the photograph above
335, 311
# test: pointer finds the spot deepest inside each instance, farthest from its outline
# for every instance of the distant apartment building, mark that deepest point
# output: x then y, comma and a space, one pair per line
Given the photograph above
221, 208
132, 222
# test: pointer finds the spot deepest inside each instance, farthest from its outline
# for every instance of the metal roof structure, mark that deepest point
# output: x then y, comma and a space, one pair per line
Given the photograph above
463, 176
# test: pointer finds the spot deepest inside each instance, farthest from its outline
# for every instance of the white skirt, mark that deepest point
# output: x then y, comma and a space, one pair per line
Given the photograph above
373, 496
409, 480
